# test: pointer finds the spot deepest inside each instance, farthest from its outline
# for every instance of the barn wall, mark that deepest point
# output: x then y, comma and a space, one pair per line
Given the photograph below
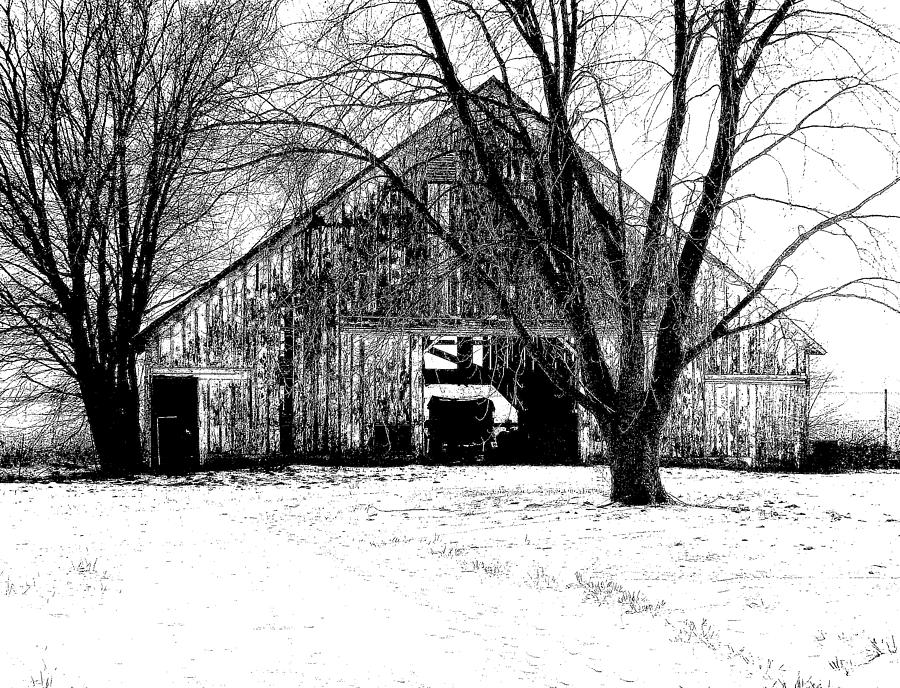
350, 383
762, 422
279, 374
746, 399
233, 339
277, 378
380, 392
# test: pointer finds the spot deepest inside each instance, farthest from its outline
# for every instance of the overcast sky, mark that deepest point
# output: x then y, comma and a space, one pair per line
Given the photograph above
863, 340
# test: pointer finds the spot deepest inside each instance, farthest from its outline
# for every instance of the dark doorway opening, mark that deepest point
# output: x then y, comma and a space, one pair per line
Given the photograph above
459, 426
548, 420
175, 424
547, 428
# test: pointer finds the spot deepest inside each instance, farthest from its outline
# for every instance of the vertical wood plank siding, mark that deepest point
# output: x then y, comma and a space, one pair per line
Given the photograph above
277, 372
280, 373
735, 406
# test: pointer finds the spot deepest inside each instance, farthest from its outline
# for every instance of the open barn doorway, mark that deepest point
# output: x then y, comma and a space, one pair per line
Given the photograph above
458, 425
485, 399
175, 422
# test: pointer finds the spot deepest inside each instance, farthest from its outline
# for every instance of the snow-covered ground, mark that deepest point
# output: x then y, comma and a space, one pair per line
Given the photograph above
450, 576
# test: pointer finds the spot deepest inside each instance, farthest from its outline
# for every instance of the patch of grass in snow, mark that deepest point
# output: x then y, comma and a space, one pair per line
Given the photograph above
539, 578
447, 551
91, 577
800, 683
705, 634
395, 540
490, 569
758, 603
882, 647
9, 588
606, 590
85, 565
687, 631
44, 679
876, 649
470, 565
842, 665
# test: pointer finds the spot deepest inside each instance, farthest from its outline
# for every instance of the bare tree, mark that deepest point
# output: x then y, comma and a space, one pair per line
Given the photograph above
715, 88
109, 115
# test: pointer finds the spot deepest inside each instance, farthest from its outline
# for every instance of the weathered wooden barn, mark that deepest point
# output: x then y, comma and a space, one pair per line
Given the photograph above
298, 349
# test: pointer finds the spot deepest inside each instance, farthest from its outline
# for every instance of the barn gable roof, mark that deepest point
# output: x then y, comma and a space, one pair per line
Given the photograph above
492, 87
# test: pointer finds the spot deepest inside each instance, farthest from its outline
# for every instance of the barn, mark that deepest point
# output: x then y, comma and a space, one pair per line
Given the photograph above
302, 349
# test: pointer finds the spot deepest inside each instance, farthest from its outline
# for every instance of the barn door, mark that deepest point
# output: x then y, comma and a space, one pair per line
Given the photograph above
175, 416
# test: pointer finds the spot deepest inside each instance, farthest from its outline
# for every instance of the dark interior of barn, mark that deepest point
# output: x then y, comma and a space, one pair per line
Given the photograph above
175, 423
465, 428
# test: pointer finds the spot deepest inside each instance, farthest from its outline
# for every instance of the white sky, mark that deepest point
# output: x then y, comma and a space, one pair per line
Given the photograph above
862, 338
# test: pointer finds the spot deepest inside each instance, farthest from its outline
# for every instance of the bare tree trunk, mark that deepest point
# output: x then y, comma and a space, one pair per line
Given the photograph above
112, 410
634, 463
118, 450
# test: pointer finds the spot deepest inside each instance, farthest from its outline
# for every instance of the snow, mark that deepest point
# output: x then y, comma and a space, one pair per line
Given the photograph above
449, 576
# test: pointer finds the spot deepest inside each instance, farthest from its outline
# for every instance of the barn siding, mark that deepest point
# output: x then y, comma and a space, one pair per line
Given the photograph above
295, 373
758, 417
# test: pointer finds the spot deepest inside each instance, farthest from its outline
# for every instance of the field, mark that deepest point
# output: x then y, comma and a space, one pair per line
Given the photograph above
450, 576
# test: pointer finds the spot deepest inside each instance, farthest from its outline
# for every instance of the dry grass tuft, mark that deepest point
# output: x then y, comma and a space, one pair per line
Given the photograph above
877, 648
488, 568
607, 590
85, 565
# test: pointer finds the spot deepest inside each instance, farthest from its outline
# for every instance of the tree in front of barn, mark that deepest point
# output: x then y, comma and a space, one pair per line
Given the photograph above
711, 91
108, 149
